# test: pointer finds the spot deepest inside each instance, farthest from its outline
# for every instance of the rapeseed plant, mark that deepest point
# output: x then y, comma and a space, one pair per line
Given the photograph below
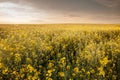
60, 53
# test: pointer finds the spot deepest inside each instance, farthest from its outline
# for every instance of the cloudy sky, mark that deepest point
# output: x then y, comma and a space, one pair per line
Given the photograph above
59, 11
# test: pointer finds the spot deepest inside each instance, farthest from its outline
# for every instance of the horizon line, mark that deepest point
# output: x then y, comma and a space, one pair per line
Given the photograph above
51, 23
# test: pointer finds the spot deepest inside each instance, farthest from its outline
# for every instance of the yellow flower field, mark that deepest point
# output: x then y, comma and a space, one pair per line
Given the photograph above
60, 52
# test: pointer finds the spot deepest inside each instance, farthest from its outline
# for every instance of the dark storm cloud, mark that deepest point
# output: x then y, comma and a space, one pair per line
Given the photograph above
109, 3
72, 6
67, 9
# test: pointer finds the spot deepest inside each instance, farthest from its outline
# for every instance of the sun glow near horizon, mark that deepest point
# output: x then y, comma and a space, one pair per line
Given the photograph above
14, 13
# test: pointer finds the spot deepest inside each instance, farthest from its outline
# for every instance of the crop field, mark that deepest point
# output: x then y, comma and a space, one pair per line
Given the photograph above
60, 52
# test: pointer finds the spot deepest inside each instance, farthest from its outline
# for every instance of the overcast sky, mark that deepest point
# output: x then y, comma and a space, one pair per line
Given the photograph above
59, 11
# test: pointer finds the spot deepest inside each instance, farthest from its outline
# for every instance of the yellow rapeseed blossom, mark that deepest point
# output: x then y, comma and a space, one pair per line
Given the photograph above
88, 73
30, 68
50, 71
5, 71
70, 79
92, 71
62, 60
83, 69
104, 61
17, 57
73, 74
48, 78
101, 71
76, 69
50, 65
28, 60
68, 67
61, 74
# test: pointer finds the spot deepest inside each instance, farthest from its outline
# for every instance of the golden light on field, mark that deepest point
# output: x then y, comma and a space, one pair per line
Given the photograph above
59, 52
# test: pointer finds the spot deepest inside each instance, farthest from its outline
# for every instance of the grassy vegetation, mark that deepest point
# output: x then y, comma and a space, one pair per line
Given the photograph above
60, 52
